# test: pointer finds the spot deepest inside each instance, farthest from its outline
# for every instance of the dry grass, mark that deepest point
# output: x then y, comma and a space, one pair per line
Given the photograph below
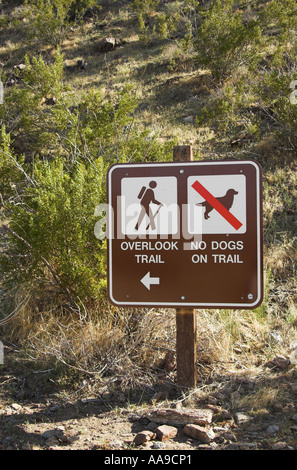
131, 344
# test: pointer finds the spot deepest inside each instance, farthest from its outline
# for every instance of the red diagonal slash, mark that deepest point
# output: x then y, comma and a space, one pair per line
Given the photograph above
217, 205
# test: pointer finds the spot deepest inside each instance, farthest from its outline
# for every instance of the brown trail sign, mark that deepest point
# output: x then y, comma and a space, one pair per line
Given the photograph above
185, 235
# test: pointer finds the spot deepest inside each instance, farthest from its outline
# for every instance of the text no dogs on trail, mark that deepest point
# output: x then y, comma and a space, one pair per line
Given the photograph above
185, 234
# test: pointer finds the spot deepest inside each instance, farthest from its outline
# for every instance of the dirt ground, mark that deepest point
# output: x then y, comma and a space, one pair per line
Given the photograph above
34, 417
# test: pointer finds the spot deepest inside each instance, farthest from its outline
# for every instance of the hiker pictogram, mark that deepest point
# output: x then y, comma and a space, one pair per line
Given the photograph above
226, 201
149, 205
147, 197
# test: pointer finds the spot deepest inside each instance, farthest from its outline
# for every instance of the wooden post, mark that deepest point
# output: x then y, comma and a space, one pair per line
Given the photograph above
186, 328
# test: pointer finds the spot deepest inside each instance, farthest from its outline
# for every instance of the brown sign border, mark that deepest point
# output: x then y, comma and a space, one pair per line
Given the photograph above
259, 236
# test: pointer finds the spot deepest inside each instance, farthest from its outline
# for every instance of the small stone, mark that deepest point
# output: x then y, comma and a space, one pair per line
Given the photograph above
278, 362
107, 44
151, 426
158, 445
200, 433
144, 436
242, 418
188, 119
276, 337
272, 429
82, 64
55, 435
166, 432
54, 408
16, 406
279, 446
48, 434
181, 416
223, 415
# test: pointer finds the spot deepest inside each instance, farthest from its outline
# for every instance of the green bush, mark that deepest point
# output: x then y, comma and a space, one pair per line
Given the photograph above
48, 20
51, 189
51, 242
225, 40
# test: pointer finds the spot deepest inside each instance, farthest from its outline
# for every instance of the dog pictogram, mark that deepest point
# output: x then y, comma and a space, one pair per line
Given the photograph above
226, 201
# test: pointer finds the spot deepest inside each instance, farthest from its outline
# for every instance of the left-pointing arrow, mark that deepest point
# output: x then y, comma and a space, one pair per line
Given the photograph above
147, 280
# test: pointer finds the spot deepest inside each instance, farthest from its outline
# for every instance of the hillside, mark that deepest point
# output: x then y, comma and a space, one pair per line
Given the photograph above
86, 86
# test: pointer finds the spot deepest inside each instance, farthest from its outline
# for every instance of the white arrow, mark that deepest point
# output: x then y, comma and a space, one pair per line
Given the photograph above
147, 281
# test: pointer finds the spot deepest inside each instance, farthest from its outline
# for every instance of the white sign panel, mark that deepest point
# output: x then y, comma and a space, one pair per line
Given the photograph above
227, 190
149, 206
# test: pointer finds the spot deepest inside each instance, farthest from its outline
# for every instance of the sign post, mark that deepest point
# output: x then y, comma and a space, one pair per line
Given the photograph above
186, 323
185, 234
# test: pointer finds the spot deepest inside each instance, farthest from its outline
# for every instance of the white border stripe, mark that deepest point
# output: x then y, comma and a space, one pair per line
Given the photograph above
187, 304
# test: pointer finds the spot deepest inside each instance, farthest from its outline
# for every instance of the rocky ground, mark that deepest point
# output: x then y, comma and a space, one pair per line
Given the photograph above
32, 417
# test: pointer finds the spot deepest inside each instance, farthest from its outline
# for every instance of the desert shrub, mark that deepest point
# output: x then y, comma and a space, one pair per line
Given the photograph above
25, 113
225, 40
50, 243
163, 20
52, 187
48, 20
257, 93
275, 92
43, 116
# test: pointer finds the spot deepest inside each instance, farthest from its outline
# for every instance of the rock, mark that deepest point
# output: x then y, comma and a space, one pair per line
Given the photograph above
151, 426
246, 445
276, 337
107, 44
166, 432
55, 436
273, 429
82, 64
54, 408
48, 434
242, 418
293, 357
180, 416
195, 431
86, 401
188, 119
223, 415
279, 446
278, 362
158, 445
16, 406
8, 440
144, 436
